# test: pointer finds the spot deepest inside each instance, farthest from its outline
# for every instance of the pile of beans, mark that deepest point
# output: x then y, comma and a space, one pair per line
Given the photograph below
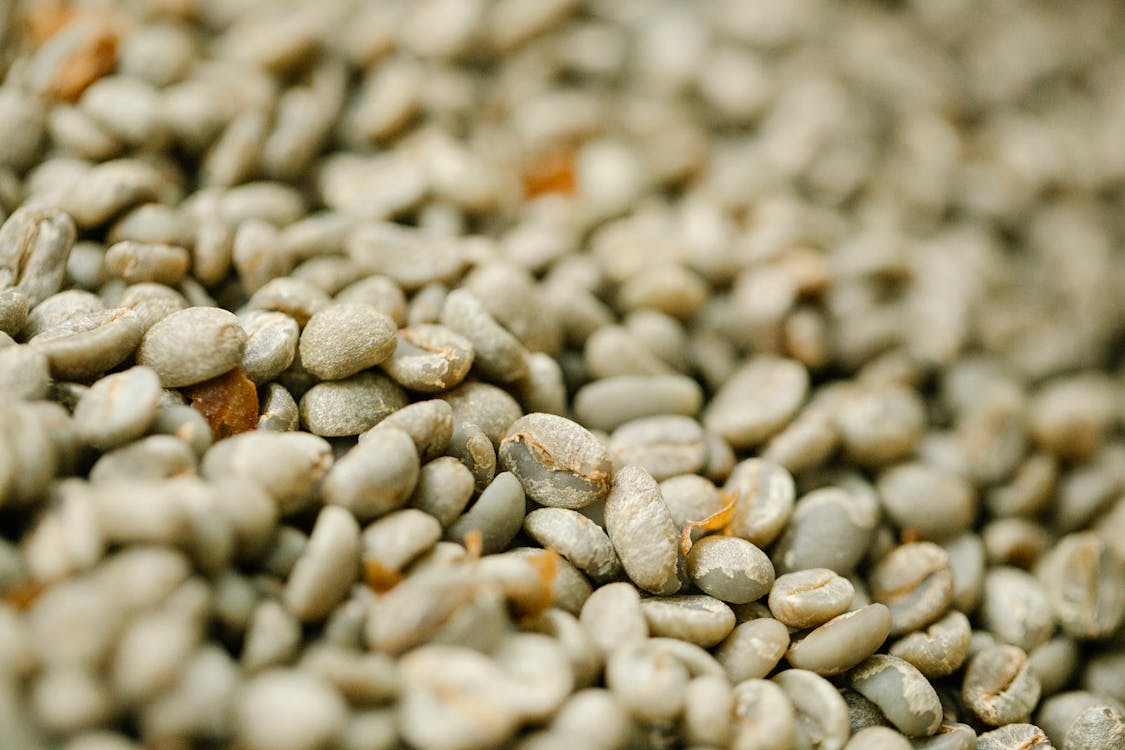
562, 374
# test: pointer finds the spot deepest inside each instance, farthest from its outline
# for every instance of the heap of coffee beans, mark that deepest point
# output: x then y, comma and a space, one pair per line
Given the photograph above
562, 374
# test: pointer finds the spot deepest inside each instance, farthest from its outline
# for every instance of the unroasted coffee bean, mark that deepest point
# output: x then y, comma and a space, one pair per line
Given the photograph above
830, 528
497, 514
298, 299
346, 407
642, 531
136, 262
702, 620
443, 489
271, 344
576, 538
878, 738
152, 302
342, 339
1054, 664
610, 402
288, 708
192, 345
650, 684
949, 737
765, 498
289, 466
612, 617
278, 411
757, 401
842, 642
14, 307
24, 373
1015, 608
398, 538
806, 442
428, 423
822, 715
1014, 737
558, 462
327, 567
878, 426
753, 649
764, 717
901, 692
999, 687
949, 506
664, 446
497, 354
1081, 578
809, 598
730, 569
1056, 714
938, 650
691, 498
490, 408
429, 358
118, 408
1096, 727
471, 446
915, 582
34, 245
89, 344
376, 476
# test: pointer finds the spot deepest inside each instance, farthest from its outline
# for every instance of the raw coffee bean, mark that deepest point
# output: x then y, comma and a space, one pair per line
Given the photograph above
1096, 728
949, 737
698, 619
1014, 737
339, 408
58, 309
24, 373
135, 262
1070, 416
1054, 664
290, 467
593, 718
271, 344
497, 354
806, 442
543, 389
428, 423
949, 507
398, 538
118, 408
342, 339
376, 476
576, 538
193, 345
863, 713
558, 462
649, 684
879, 425
14, 307
613, 351
327, 567
273, 637
610, 402
497, 514
940, 649
429, 358
1081, 577
296, 298
878, 738
152, 302
842, 642
822, 715
490, 408
664, 446
1015, 608
757, 401
708, 704
1028, 490
34, 245
612, 617
570, 587
1057, 713
1014, 541
690, 497
642, 531
766, 494
185, 424
809, 598
288, 708
443, 489
278, 411
730, 569
753, 649
901, 693
830, 528
152, 457
914, 580
90, 343
967, 563
999, 688
763, 717
471, 446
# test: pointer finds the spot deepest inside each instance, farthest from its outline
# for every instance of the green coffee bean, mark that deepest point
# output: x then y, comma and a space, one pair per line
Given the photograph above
915, 582
698, 619
1014, 737
765, 500
665, 446
821, 714
193, 345
1081, 578
730, 569
757, 401
901, 692
940, 649
429, 358
576, 538
842, 642
610, 402
753, 649
999, 687
642, 531
809, 598
558, 462
340, 408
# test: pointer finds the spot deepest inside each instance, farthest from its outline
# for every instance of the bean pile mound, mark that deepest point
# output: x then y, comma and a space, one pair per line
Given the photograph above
562, 375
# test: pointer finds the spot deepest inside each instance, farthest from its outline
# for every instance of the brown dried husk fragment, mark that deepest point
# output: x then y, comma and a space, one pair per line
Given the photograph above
229, 402
717, 521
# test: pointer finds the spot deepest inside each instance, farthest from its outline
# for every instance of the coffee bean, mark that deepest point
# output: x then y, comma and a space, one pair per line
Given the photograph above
339, 408
878, 738
950, 506
842, 642
490, 408
1054, 664
879, 425
118, 408
610, 402
24, 373
497, 514
949, 737
650, 685
806, 442
429, 424
1096, 727
290, 708
136, 262
664, 446
558, 462
14, 307
497, 354
940, 649
327, 567
821, 714
472, 447
296, 298
698, 619
193, 345
1056, 714
809, 598
766, 494
830, 528
999, 687
901, 692
271, 344
753, 649
1015, 608
343, 339
278, 411
915, 582
642, 531
429, 358
289, 466
443, 489
613, 619
757, 401
576, 538
1013, 737
89, 344
1080, 577
730, 569
376, 476
764, 716
34, 245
